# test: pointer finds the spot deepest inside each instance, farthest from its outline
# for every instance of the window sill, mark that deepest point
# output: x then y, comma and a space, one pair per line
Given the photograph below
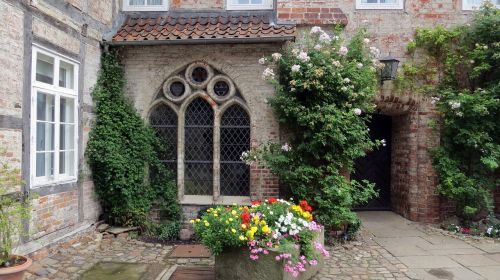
209, 200
54, 188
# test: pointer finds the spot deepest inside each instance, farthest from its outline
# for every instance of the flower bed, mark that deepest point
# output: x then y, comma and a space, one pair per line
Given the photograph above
275, 239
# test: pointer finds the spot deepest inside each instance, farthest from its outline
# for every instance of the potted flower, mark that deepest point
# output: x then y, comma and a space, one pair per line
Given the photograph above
273, 239
13, 211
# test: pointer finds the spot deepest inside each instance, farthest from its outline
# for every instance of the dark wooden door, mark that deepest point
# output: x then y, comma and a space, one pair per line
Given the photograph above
376, 165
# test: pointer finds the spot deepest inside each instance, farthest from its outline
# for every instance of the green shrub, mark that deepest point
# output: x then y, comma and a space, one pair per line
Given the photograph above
122, 153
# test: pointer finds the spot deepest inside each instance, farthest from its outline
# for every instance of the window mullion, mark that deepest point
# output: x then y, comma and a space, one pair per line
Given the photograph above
216, 157
56, 136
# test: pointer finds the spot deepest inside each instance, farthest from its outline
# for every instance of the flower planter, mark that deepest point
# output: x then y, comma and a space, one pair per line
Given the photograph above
235, 264
16, 272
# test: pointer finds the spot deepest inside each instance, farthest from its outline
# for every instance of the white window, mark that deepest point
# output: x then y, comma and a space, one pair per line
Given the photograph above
379, 4
249, 4
54, 114
476, 4
145, 5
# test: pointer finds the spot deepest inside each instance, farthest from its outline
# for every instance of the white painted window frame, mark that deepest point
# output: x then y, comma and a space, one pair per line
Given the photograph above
266, 5
55, 90
399, 5
467, 7
145, 8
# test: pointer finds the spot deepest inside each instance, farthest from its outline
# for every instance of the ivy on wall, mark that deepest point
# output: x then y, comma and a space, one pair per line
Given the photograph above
122, 154
460, 69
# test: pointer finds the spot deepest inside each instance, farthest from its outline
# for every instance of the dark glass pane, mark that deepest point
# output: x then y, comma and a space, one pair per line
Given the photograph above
199, 74
164, 121
198, 143
177, 89
221, 88
235, 139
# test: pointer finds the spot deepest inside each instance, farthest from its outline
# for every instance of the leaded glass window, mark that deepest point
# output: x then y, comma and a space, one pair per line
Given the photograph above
235, 139
164, 121
198, 145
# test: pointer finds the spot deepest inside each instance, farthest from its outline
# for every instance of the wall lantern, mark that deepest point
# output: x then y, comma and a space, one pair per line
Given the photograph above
389, 70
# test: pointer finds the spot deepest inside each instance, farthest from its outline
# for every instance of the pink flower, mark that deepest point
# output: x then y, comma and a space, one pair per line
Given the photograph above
254, 257
313, 262
269, 244
266, 252
278, 258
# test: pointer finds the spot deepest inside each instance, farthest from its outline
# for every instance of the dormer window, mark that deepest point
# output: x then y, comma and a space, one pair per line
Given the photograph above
145, 5
249, 4
379, 4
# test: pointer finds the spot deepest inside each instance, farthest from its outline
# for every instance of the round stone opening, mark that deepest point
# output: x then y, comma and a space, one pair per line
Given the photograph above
177, 89
199, 74
221, 88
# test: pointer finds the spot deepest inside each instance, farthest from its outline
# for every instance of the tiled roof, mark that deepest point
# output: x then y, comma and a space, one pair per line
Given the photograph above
201, 28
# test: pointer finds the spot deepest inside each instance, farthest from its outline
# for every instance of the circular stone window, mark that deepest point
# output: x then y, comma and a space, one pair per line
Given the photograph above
176, 89
199, 74
221, 88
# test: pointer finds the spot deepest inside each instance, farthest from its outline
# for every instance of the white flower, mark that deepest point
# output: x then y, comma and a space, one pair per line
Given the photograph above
295, 51
324, 38
335, 37
489, 230
317, 47
374, 52
303, 57
357, 111
336, 63
434, 100
454, 104
343, 88
347, 80
359, 65
262, 60
268, 73
316, 29
383, 142
296, 68
343, 50
460, 114
292, 89
276, 56
286, 147
366, 40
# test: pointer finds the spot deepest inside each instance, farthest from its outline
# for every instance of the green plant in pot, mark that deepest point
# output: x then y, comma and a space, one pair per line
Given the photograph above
14, 209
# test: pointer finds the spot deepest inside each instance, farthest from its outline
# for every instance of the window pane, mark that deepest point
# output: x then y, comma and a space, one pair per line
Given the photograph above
256, 2
44, 164
136, 2
241, 2
44, 68
67, 163
164, 121
154, 2
45, 107
44, 136
388, 1
67, 110
66, 75
67, 137
370, 1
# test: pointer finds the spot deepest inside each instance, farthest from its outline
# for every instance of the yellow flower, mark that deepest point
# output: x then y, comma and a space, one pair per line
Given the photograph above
215, 215
242, 237
230, 219
227, 230
263, 223
250, 235
243, 226
192, 221
198, 220
233, 212
227, 222
266, 230
233, 230
254, 229
207, 224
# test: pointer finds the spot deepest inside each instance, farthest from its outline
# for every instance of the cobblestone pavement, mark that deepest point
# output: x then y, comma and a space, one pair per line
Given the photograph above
389, 247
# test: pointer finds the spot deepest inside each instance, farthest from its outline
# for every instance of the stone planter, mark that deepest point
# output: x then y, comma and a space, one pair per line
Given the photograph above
235, 264
16, 272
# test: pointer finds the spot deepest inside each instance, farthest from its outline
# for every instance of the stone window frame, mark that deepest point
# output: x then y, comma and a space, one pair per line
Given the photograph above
266, 5
219, 107
57, 92
145, 8
399, 5
466, 6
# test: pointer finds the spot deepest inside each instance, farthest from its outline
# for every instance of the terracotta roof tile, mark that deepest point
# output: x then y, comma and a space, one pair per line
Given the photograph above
199, 28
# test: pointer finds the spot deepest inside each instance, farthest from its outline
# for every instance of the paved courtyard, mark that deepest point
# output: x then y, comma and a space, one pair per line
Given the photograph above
389, 247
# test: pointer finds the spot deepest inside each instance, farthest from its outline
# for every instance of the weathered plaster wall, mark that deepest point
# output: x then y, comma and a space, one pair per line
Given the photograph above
72, 28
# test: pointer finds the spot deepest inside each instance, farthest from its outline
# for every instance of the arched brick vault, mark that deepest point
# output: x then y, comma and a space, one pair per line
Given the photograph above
413, 179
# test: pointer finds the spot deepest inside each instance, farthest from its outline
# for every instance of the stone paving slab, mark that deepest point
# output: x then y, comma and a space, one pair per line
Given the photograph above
488, 272
456, 273
474, 260
428, 262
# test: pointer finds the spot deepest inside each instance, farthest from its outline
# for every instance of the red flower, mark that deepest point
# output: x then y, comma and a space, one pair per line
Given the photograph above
245, 217
256, 202
466, 230
305, 206
272, 200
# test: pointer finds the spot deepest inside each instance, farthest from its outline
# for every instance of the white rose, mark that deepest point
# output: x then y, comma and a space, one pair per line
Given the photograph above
359, 65
343, 50
366, 40
303, 57
316, 29
262, 60
357, 111
317, 47
268, 73
295, 68
276, 56
324, 38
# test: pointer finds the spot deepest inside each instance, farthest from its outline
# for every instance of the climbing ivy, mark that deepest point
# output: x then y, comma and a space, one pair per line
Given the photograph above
122, 154
460, 69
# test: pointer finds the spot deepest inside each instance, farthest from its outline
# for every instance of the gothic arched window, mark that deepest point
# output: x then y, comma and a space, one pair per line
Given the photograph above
198, 148
164, 121
234, 140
